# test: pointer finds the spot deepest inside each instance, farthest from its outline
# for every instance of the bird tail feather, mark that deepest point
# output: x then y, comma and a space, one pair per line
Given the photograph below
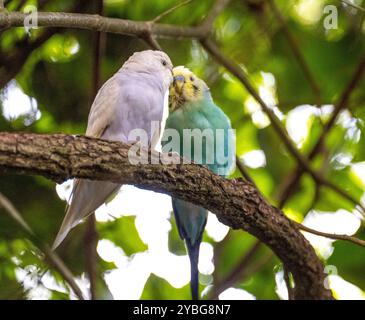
87, 196
191, 220
193, 251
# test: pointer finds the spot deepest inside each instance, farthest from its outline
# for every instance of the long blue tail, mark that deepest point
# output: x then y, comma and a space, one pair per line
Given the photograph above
191, 220
193, 251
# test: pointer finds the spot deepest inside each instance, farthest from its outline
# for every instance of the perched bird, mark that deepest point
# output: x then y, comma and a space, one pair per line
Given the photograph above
131, 99
192, 107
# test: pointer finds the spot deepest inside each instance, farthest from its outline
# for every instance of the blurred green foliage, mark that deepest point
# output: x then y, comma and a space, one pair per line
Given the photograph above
57, 73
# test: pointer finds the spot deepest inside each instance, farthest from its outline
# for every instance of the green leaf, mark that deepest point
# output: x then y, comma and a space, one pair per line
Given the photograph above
123, 233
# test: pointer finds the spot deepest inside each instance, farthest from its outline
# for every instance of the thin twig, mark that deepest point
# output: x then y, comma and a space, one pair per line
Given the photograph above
21, 5
331, 235
353, 5
9, 207
90, 243
172, 9
212, 15
244, 274
236, 273
51, 257
297, 52
243, 171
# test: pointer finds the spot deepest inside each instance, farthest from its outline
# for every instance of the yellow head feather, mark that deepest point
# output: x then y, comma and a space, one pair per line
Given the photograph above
186, 87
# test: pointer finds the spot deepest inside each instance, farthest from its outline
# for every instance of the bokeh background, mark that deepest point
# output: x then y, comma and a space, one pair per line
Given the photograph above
46, 87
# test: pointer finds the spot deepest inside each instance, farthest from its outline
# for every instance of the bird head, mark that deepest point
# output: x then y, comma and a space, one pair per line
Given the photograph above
186, 87
151, 62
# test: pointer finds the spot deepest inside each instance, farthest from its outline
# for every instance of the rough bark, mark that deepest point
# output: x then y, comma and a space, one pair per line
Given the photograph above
236, 203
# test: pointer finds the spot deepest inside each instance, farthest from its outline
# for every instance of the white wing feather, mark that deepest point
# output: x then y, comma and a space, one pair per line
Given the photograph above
123, 103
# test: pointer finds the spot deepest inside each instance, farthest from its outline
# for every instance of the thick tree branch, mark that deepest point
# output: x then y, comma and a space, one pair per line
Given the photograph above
237, 204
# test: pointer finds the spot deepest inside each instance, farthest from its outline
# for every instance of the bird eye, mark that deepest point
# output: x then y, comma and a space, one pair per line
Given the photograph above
192, 79
164, 63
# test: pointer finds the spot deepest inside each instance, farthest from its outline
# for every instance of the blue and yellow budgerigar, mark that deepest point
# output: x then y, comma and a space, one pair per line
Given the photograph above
191, 107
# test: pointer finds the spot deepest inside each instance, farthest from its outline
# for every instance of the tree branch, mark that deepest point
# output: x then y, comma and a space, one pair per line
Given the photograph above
303, 163
354, 5
49, 256
170, 10
333, 236
341, 105
237, 71
91, 255
13, 62
103, 24
217, 8
297, 52
236, 203
115, 25
243, 170
236, 273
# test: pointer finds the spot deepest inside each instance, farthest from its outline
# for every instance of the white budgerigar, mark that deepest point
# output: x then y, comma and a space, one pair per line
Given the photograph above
134, 98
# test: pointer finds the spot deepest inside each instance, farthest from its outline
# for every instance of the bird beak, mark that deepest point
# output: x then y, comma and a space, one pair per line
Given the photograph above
178, 83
